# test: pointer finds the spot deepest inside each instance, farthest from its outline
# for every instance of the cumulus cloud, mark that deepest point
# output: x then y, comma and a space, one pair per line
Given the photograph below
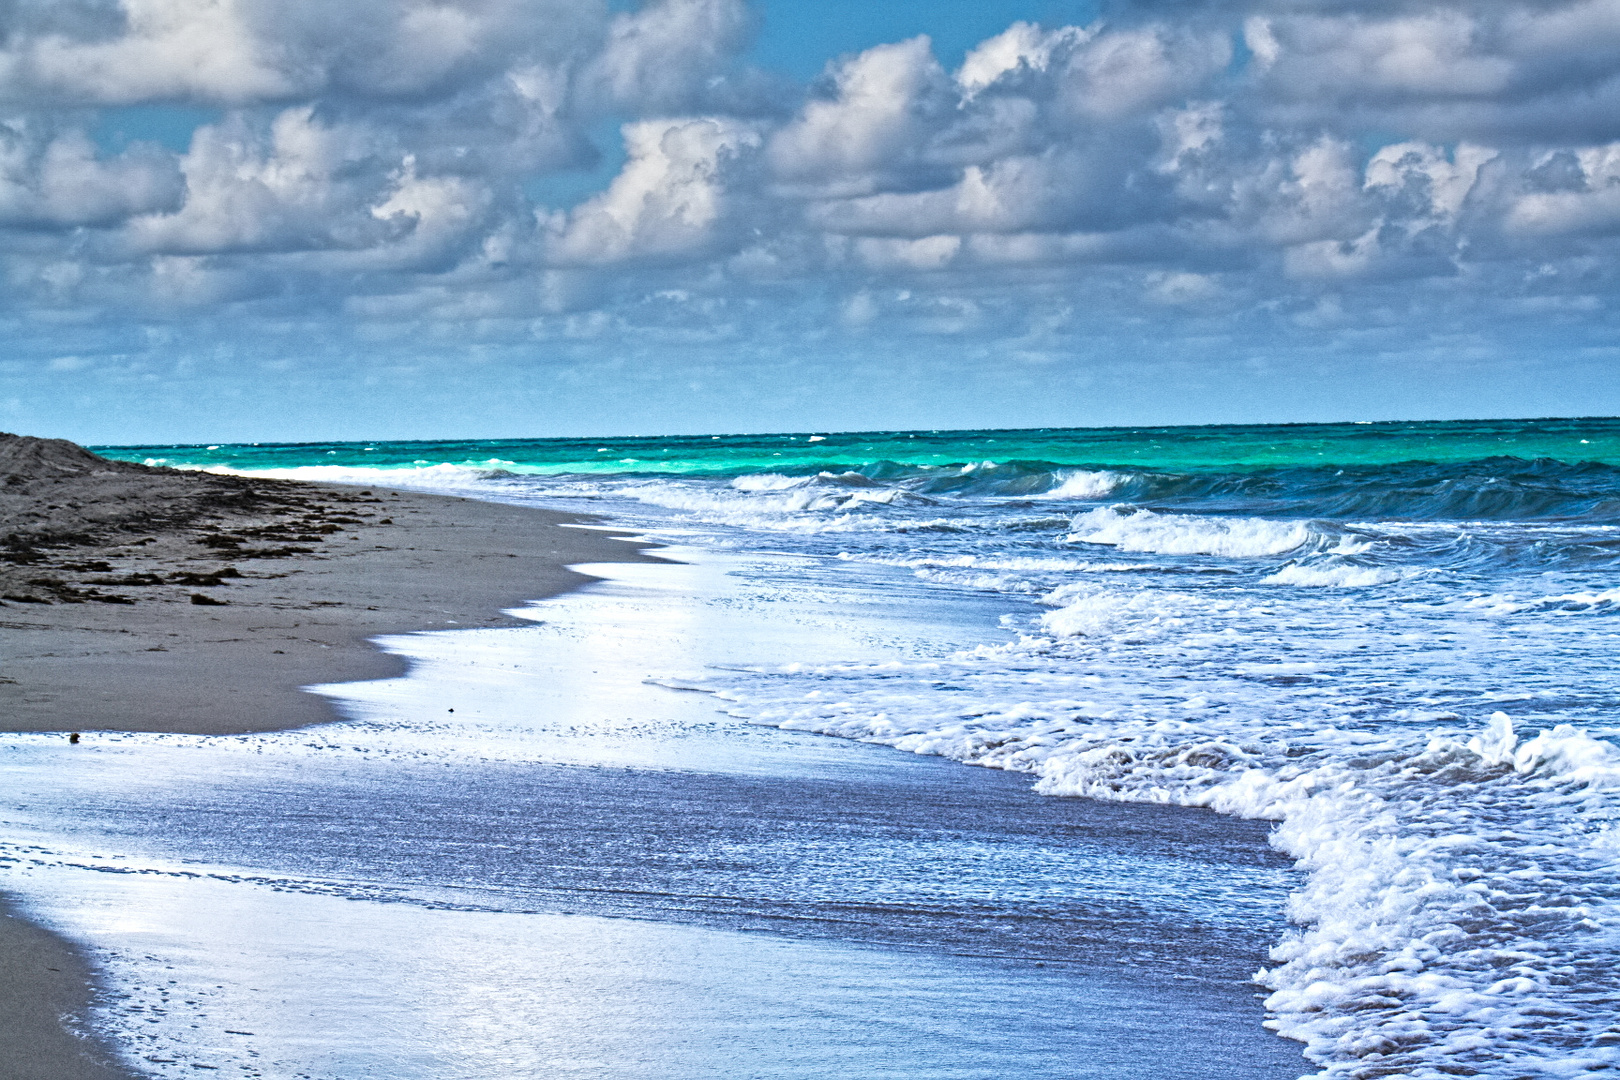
879, 123
666, 203
1117, 73
1435, 182
238, 52
388, 162
664, 57
1444, 53
1585, 195
1517, 72
56, 179
146, 49
1022, 46
296, 184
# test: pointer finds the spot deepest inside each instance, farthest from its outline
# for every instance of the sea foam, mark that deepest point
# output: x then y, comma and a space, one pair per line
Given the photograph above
1188, 534
1450, 922
1334, 574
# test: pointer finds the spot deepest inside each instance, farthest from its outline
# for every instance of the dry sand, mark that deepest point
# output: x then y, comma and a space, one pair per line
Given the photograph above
141, 599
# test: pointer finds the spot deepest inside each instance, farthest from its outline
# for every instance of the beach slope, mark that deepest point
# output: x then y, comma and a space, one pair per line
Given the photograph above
146, 599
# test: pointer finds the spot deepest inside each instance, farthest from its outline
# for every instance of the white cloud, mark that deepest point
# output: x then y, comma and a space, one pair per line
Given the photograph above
1188, 132
1259, 39
178, 281
167, 49
1441, 181
238, 52
661, 58
300, 184
431, 218
860, 309
877, 124
1593, 207
1038, 248
376, 160
668, 199
928, 253
1180, 287
1333, 258
1119, 72
1022, 45
1011, 195
59, 180
1443, 53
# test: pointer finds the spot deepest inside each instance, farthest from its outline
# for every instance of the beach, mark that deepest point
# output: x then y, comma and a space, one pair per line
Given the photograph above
793, 872
101, 631
131, 590
680, 539
1249, 709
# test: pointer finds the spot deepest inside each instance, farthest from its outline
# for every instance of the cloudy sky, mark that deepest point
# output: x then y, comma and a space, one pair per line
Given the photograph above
308, 219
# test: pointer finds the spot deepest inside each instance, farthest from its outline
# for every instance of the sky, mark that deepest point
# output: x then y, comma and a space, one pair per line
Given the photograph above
299, 220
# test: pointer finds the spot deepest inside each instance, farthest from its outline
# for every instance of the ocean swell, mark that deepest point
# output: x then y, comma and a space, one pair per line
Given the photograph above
1459, 913
1489, 489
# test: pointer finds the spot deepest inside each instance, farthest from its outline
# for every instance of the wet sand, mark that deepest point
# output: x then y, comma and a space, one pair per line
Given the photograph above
139, 599
44, 990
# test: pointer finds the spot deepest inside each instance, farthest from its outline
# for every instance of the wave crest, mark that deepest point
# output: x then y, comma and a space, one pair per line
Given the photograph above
1333, 574
1431, 938
1129, 529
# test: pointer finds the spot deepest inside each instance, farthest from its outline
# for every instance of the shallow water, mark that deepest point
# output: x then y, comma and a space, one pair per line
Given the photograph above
583, 871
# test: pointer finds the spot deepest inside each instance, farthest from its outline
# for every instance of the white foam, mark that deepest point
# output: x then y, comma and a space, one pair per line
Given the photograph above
1460, 913
1607, 600
773, 502
1083, 484
1430, 940
991, 561
1089, 610
1189, 534
437, 476
1333, 574
768, 482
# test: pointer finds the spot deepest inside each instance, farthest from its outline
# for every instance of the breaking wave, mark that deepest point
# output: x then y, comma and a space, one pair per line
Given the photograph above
1183, 534
1459, 912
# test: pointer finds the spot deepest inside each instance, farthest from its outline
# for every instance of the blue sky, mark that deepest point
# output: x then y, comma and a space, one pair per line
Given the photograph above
465, 218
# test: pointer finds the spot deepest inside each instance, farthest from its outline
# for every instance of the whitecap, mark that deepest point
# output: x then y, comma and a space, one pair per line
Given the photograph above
1333, 575
1083, 484
1189, 534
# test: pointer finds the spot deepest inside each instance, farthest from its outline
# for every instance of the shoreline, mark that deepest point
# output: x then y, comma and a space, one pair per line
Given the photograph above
567, 789
46, 988
398, 563
151, 657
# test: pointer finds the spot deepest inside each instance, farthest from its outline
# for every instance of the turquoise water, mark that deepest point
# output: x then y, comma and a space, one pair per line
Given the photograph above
1171, 449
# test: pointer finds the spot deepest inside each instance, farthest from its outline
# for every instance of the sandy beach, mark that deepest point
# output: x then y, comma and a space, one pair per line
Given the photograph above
141, 599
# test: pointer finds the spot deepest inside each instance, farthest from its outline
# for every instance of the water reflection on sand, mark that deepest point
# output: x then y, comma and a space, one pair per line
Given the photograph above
581, 872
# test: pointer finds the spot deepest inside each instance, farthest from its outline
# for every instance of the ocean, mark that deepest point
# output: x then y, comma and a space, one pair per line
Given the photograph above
1386, 650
